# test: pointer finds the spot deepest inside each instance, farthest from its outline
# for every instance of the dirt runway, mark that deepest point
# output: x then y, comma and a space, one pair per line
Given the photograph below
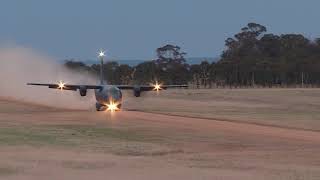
38, 142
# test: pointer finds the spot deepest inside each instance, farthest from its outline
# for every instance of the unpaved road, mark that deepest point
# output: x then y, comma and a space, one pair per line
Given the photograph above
38, 142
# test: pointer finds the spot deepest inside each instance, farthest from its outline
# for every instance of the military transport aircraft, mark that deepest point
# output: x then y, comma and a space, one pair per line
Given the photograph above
108, 97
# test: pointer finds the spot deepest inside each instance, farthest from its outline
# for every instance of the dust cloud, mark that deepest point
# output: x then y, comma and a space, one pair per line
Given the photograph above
20, 65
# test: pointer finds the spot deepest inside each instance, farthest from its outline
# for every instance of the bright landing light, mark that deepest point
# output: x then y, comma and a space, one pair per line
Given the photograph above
112, 106
157, 87
101, 53
61, 85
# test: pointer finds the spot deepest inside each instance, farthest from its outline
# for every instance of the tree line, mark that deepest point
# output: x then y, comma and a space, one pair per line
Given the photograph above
252, 58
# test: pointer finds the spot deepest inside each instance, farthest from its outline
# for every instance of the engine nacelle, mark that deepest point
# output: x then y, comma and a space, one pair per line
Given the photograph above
137, 91
83, 91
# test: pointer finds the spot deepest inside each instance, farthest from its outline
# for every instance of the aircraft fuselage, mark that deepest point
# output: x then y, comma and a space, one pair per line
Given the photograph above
108, 94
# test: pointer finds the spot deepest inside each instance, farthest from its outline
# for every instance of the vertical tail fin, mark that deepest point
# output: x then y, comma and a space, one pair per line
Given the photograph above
101, 70
101, 55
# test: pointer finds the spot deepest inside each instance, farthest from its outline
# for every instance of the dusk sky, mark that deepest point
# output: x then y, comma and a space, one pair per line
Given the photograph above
133, 29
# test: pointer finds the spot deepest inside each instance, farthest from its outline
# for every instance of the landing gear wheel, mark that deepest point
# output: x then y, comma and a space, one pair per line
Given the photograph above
100, 107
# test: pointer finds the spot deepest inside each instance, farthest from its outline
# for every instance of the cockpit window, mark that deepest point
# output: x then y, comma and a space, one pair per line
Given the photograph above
120, 93
115, 92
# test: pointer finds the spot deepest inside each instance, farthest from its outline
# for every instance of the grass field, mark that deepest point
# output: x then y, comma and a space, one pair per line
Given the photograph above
202, 140
297, 108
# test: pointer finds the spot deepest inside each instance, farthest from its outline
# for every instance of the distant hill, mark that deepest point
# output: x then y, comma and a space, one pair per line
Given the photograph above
134, 62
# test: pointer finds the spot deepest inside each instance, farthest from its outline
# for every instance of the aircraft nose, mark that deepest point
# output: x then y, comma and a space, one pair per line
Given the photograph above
114, 98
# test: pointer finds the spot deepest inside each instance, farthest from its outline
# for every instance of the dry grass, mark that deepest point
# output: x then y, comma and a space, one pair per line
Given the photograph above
38, 142
297, 108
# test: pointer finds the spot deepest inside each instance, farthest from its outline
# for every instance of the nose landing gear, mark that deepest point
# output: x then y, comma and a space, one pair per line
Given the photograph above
100, 107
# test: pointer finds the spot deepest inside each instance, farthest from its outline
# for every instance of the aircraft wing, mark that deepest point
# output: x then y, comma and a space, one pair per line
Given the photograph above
63, 86
150, 87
